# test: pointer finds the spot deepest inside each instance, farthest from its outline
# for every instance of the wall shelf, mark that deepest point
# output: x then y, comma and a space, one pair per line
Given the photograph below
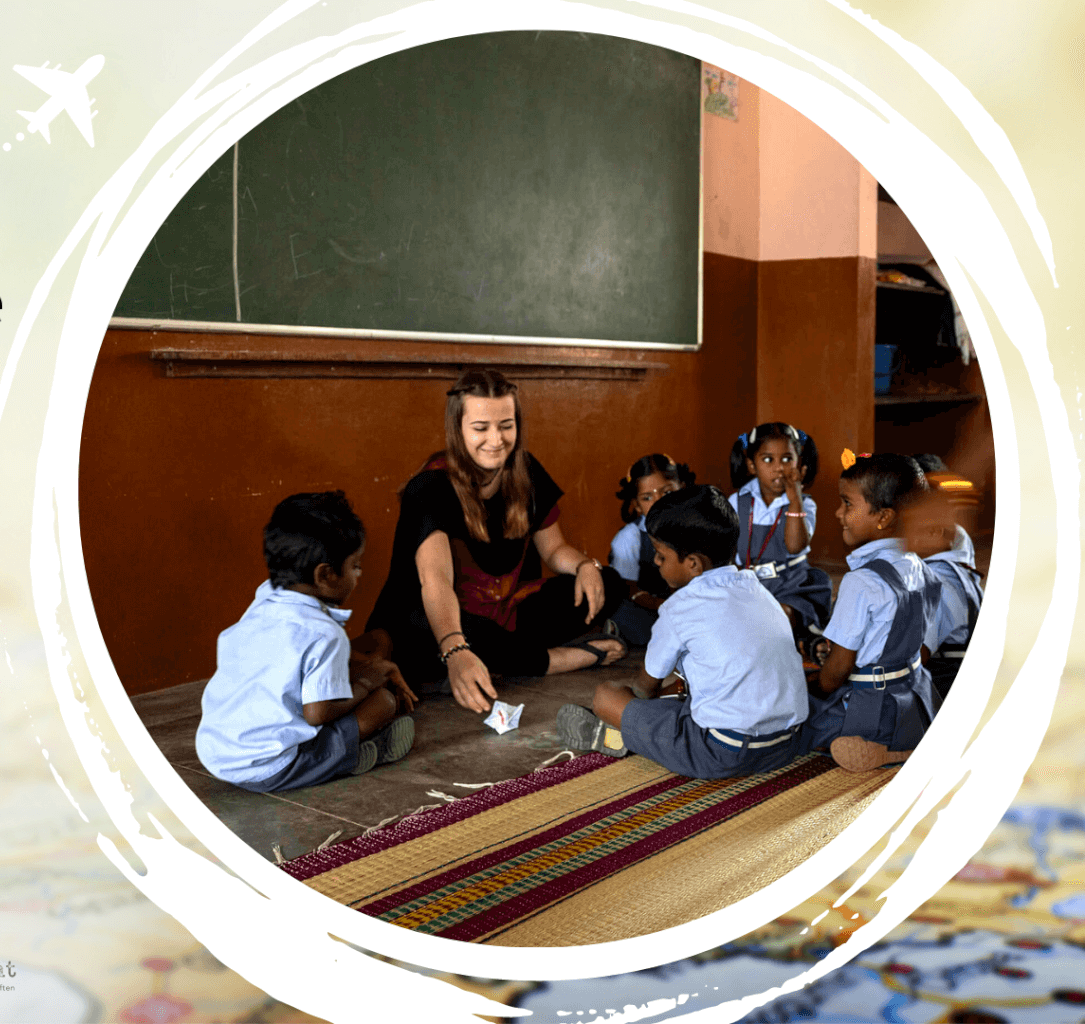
896, 286
280, 363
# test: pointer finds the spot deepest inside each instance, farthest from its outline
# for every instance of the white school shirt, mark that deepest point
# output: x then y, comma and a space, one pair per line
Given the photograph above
625, 550
865, 605
950, 624
288, 649
963, 543
765, 515
731, 641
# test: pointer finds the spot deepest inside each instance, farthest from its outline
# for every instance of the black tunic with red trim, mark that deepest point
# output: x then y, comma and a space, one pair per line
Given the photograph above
491, 577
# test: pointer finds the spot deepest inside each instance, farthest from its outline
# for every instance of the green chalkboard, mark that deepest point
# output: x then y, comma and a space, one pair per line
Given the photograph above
524, 184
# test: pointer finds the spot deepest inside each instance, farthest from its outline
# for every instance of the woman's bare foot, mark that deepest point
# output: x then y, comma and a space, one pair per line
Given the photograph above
569, 659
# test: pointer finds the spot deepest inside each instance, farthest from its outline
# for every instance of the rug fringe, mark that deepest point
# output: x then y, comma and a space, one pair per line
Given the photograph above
448, 798
327, 842
560, 753
387, 821
419, 810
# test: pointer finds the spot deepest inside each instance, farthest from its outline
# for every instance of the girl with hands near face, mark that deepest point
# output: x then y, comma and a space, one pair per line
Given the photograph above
770, 468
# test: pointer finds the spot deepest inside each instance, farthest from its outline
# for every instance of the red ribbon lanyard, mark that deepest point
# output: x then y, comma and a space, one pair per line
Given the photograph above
749, 535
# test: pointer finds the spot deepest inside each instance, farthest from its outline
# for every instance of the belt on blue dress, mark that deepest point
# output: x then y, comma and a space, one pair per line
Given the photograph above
738, 739
770, 570
878, 676
950, 651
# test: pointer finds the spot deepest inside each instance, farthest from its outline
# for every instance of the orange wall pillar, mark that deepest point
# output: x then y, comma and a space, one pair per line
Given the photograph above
816, 297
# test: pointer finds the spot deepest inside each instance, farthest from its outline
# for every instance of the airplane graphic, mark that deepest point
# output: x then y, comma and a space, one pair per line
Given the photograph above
67, 91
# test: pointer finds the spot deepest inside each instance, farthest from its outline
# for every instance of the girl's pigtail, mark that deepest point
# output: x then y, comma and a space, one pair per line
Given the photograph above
809, 458
739, 473
626, 492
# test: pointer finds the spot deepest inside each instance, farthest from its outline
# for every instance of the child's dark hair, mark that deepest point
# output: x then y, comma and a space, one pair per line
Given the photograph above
677, 472
887, 480
696, 520
306, 530
931, 463
748, 445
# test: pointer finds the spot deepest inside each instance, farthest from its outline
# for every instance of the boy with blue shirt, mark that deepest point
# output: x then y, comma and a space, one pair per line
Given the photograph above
727, 636
875, 698
290, 704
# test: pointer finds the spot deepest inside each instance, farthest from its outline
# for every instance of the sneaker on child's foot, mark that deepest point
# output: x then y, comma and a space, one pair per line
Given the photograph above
367, 757
582, 730
393, 741
855, 754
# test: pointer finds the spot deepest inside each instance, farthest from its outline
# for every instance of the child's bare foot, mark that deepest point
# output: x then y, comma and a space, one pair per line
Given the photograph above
855, 754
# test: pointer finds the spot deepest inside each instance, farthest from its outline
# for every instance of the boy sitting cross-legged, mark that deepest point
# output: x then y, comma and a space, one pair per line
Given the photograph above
290, 704
727, 636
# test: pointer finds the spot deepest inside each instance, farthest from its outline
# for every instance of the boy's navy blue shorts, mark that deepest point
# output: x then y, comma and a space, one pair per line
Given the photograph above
664, 731
332, 752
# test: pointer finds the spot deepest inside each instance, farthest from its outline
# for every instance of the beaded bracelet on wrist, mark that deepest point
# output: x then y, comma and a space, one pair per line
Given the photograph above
465, 646
796, 515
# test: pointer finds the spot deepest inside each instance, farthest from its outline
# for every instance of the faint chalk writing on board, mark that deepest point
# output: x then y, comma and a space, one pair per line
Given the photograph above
720, 92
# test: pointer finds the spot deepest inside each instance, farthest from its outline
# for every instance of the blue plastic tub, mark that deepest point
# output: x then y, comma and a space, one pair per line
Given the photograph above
885, 365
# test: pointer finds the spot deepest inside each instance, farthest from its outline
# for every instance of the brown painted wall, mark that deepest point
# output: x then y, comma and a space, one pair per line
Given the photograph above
815, 366
178, 476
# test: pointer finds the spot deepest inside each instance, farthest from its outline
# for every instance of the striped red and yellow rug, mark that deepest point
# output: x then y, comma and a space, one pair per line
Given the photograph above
493, 866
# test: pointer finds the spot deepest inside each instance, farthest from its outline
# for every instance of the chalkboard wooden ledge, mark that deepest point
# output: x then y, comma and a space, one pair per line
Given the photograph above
282, 362
129, 323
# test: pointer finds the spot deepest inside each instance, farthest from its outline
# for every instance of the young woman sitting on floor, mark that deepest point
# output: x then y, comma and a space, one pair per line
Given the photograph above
465, 594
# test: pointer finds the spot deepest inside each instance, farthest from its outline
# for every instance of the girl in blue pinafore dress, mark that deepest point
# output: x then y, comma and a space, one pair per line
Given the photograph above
631, 552
875, 699
770, 466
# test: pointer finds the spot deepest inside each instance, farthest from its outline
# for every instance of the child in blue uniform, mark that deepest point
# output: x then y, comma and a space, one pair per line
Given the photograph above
631, 552
876, 699
290, 704
947, 639
731, 642
770, 466
936, 472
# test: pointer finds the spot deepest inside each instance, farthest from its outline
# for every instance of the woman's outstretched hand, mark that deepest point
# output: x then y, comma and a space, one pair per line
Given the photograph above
589, 584
470, 679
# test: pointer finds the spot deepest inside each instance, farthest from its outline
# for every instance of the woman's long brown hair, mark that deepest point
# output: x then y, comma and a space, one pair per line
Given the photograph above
466, 477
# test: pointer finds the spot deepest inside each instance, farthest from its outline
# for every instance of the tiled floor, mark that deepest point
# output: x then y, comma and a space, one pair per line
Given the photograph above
451, 745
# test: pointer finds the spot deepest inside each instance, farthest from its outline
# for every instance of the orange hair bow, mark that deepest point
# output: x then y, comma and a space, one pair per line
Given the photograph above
847, 457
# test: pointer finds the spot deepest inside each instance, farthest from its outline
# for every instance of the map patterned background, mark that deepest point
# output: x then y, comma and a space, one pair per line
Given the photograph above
1003, 941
